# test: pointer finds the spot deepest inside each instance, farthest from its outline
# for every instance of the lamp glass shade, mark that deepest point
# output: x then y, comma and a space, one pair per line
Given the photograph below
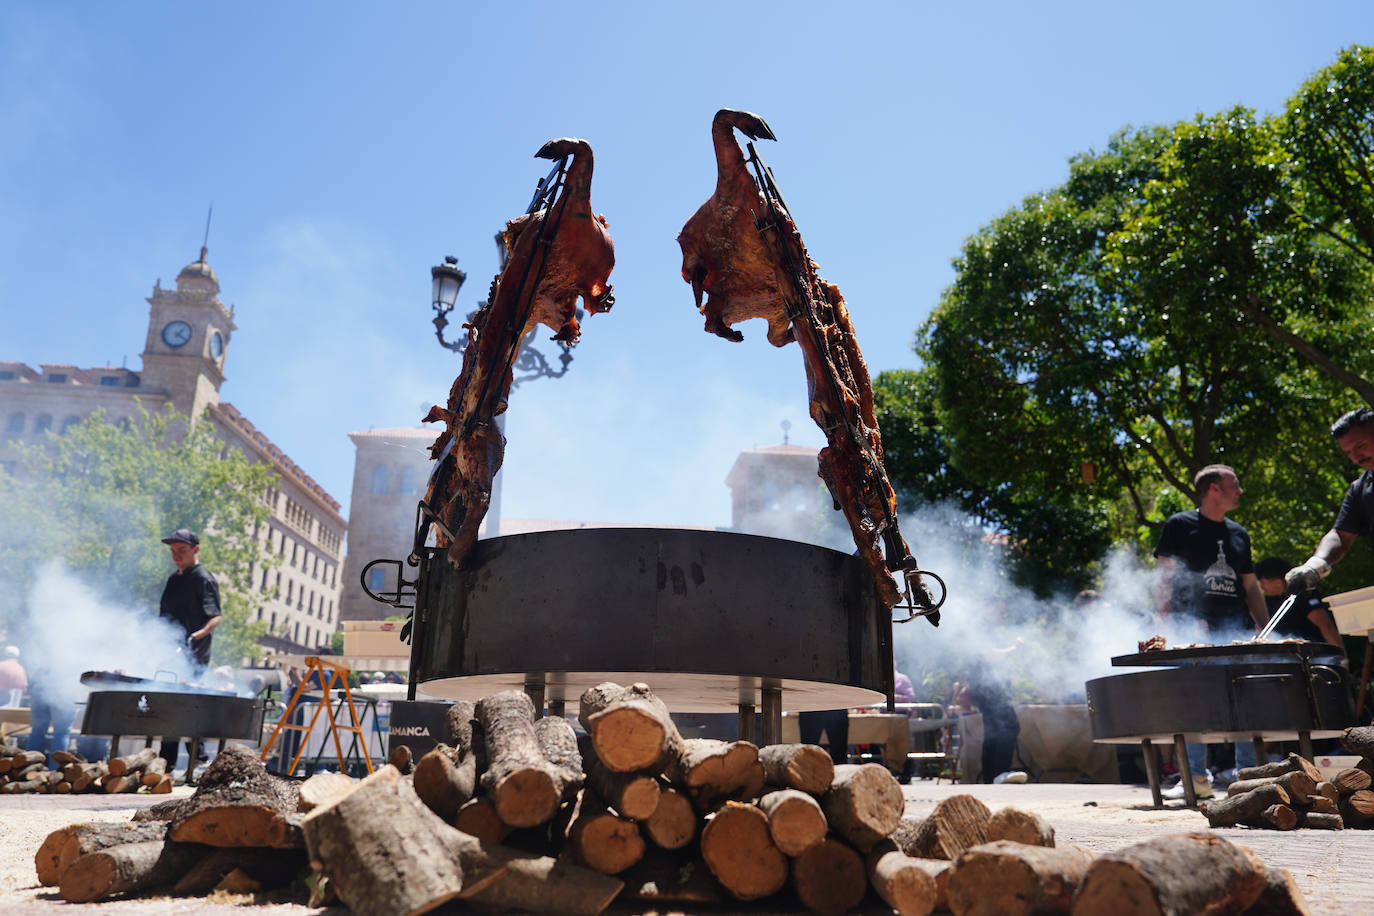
448, 279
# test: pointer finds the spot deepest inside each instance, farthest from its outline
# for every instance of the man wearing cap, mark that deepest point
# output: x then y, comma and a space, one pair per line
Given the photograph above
191, 596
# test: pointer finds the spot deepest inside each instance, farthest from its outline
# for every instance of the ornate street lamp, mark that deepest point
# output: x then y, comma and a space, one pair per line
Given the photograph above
448, 279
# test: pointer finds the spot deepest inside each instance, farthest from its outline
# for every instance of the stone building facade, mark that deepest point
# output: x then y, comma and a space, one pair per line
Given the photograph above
183, 360
775, 491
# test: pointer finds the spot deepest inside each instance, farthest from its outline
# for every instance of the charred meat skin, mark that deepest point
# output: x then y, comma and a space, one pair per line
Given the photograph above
723, 256
555, 256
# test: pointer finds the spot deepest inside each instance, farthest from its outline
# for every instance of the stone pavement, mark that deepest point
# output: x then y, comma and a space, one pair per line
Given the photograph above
1335, 869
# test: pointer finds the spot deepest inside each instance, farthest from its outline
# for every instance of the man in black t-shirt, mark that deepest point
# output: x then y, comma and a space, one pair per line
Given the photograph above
1354, 433
191, 596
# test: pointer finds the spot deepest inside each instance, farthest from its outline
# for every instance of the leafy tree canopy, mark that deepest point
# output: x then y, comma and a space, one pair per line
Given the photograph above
102, 496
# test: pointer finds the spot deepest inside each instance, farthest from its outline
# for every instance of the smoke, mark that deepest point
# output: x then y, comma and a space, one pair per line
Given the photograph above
69, 629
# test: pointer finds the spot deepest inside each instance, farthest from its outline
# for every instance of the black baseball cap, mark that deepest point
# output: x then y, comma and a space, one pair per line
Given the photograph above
182, 536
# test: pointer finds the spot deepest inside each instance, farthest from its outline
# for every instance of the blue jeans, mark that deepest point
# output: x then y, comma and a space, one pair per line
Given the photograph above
57, 715
1197, 757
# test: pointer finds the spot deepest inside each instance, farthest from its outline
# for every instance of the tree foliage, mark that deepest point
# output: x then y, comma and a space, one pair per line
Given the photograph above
102, 496
1192, 294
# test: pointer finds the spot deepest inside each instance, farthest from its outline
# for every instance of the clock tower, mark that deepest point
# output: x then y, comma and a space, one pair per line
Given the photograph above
188, 336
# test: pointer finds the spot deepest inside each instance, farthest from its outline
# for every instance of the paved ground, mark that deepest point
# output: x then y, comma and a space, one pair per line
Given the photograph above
1335, 869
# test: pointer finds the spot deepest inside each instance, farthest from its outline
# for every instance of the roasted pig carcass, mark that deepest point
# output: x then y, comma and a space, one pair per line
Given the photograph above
742, 249
723, 256
555, 255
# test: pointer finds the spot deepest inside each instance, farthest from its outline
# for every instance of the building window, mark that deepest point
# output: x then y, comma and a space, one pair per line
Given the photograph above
296, 631
381, 478
259, 612
7, 375
15, 424
409, 478
42, 424
109, 381
69, 423
131, 381
290, 587
273, 626
58, 378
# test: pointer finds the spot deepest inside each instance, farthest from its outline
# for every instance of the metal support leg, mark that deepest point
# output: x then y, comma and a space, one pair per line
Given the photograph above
772, 715
746, 722
534, 689
1261, 754
1305, 745
1185, 770
557, 709
193, 750
1151, 754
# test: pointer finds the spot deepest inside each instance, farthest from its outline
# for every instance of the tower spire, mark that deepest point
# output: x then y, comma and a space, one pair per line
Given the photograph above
204, 245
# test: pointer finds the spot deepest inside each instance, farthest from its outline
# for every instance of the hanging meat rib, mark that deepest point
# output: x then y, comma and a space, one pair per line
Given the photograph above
744, 251
555, 254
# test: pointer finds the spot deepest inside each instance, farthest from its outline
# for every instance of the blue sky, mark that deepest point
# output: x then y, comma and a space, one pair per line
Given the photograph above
348, 147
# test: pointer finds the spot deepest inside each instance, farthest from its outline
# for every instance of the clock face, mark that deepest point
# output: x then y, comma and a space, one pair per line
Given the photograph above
176, 333
216, 345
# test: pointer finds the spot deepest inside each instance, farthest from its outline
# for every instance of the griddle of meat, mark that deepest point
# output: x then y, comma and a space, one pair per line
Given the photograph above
555, 255
746, 272
723, 255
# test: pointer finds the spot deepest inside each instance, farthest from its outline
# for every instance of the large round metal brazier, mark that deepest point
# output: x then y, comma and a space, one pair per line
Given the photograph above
707, 618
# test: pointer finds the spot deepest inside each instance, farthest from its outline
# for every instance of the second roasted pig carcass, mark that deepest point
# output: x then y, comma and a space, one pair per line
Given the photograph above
744, 253
556, 254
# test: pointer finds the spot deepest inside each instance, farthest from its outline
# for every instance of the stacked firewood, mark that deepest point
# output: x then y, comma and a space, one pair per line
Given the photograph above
1291, 793
28, 772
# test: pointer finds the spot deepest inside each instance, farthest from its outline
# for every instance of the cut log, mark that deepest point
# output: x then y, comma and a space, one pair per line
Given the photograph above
402, 759
153, 771
1329, 790
132, 763
63, 788
46, 860
805, 767
441, 783
1020, 826
114, 785
238, 803
1360, 740
386, 852
130, 867
545, 885
1350, 780
95, 837
1320, 804
906, 832
903, 882
22, 760
523, 785
633, 795
268, 868
162, 811
163, 785
739, 851
67, 757
600, 839
1238, 809
630, 728
829, 878
90, 773
1183, 873
1314, 821
673, 824
1278, 817
1296, 783
714, 772
957, 824
1281, 896
1287, 765
864, 803
662, 877
558, 741
478, 818
1005, 878
795, 820
1357, 809
324, 789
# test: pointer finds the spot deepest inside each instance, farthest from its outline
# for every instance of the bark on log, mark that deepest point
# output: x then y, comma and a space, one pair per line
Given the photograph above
957, 823
740, 853
1314, 821
268, 868
672, 878
130, 867
714, 772
1021, 827
634, 795
525, 788
162, 811
1281, 896
1237, 809
153, 769
630, 728
805, 767
132, 763
1320, 804
22, 760
1329, 790
1287, 765
1278, 817
95, 837
324, 789
441, 783
1350, 780
238, 803
905, 833
903, 882
1357, 809
673, 824
1360, 740
1296, 783
163, 786
558, 741
795, 820
1006, 878
385, 852
864, 803
1184, 873
90, 773
114, 785
67, 757
600, 839
402, 759
478, 818
830, 878
540, 884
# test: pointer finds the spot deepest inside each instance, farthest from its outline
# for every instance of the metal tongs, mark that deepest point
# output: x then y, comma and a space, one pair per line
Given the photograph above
1278, 615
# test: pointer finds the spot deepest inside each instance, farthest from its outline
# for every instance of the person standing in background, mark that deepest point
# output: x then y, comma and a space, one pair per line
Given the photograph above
13, 679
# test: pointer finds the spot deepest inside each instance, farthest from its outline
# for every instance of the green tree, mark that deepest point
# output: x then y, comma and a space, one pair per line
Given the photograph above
102, 495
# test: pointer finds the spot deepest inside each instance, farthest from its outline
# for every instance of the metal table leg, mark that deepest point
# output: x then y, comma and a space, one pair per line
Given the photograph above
557, 709
534, 689
1152, 770
1305, 745
1185, 769
1261, 754
772, 715
746, 721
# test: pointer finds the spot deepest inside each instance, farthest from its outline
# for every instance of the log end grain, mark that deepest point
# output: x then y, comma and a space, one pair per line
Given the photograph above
795, 820
673, 824
1006, 878
1020, 826
628, 737
829, 878
526, 797
739, 851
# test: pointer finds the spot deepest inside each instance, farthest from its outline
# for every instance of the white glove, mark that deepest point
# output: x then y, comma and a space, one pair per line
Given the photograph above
1308, 574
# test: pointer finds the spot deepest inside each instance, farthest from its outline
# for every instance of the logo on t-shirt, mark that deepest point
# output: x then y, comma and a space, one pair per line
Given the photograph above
1222, 581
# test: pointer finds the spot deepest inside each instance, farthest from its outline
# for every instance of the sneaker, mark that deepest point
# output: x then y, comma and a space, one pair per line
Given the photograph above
1012, 776
1200, 789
